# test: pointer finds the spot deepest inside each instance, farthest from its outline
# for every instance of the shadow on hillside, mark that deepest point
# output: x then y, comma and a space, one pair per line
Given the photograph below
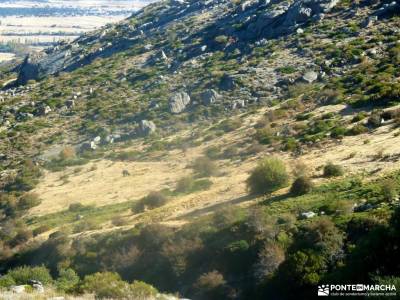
274, 199
211, 208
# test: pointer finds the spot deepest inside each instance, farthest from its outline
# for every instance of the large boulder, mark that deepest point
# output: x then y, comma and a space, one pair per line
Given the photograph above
147, 127
178, 102
209, 97
30, 69
17, 289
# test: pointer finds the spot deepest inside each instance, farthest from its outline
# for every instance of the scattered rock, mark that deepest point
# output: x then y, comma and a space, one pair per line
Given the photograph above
44, 110
238, 104
147, 127
310, 76
209, 97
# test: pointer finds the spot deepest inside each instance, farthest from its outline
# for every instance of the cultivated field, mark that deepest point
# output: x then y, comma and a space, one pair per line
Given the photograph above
6, 56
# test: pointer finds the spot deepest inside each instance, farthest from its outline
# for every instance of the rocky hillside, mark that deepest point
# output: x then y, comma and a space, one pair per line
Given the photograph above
146, 149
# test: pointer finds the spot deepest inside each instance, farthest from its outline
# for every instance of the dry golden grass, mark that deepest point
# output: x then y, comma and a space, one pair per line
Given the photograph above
106, 185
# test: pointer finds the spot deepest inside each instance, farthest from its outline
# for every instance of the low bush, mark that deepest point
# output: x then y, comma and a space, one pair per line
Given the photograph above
302, 185
337, 207
41, 229
67, 281
22, 275
265, 135
28, 201
357, 129
270, 175
204, 167
85, 225
105, 285
331, 170
151, 201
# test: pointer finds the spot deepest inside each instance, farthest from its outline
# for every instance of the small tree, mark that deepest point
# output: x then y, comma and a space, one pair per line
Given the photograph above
269, 176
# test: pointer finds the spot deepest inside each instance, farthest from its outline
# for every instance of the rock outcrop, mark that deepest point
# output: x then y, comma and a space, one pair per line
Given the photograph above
178, 102
284, 17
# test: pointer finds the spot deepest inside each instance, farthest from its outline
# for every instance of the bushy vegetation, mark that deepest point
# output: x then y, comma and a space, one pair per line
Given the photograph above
151, 201
302, 185
204, 167
270, 175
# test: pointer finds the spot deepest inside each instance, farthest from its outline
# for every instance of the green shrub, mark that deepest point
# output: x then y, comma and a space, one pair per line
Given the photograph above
140, 290
331, 170
67, 280
270, 175
6, 281
22, 275
338, 132
287, 70
291, 144
337, 207
264, 136
358, 117
357, 129
105, 285
302, 185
